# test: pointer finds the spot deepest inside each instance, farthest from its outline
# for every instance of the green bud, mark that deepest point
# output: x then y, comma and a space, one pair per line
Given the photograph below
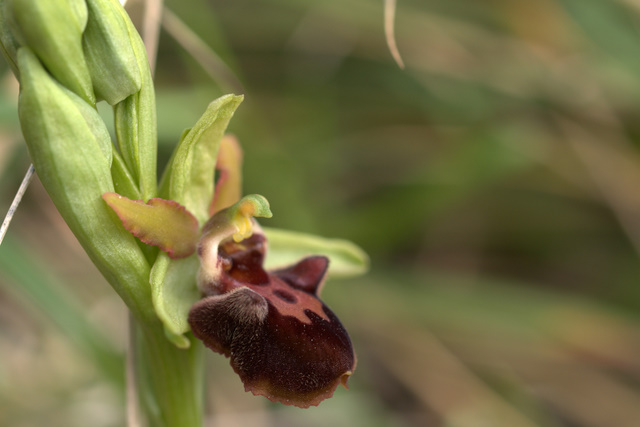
136, 122
109, 52
53, 31
80, 12
62, 138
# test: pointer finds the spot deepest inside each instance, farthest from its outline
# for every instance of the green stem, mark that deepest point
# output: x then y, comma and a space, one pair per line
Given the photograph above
170, 381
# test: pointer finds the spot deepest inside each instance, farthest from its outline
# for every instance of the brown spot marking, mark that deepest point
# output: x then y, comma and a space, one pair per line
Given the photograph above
304, 300
285, 296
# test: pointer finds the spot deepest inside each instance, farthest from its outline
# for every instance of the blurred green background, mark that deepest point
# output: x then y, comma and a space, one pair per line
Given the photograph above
495, 183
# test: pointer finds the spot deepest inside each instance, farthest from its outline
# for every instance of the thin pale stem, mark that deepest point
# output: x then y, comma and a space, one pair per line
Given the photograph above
151, 29
389, 30
198, 49
16, 201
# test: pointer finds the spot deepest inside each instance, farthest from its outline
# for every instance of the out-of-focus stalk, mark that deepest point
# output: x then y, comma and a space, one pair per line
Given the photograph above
170, 380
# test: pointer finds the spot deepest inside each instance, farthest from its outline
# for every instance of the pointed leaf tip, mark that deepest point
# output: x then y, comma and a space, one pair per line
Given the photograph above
162, 223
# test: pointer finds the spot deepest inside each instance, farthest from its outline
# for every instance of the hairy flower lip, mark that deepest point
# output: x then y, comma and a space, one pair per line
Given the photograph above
282, 340
304, 401
276, 356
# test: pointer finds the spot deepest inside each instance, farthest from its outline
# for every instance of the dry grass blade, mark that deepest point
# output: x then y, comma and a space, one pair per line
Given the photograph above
16, 202
579, 393
389, 30
440, 380
147, 16
203, 54
558, 376
151, 29
608, 341
615, 169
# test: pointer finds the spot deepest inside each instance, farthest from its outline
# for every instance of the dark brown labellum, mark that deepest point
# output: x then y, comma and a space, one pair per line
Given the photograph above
282, 340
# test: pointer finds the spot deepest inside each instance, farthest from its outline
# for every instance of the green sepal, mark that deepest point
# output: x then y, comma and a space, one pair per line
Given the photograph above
174, 291
52, 30
96, 125
74, 171
136, 122
288, 247
189, 176
109, 52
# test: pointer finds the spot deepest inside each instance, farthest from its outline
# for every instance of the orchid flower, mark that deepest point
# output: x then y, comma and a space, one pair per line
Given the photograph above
282, 340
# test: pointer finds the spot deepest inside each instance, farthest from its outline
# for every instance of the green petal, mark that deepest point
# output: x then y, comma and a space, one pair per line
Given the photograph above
288, 247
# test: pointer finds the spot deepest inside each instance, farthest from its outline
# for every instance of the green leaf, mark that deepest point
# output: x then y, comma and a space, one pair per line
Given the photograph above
162, 223
189, 176
288, 247
174, 291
